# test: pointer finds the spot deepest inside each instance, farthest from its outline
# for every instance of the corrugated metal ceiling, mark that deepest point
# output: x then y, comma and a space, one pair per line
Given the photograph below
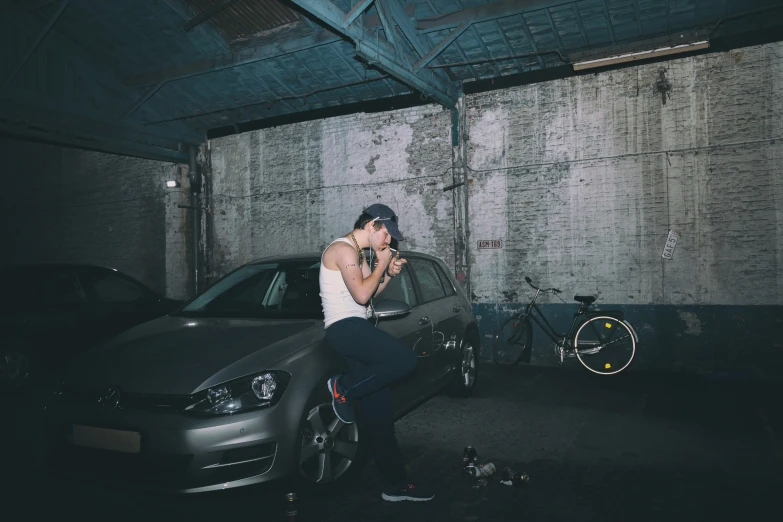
245, 18
136, 70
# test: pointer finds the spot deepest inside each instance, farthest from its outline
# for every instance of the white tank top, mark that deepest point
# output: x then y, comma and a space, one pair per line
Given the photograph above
337, 301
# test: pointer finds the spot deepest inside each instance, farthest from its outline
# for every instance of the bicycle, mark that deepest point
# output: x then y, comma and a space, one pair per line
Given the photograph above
603, 341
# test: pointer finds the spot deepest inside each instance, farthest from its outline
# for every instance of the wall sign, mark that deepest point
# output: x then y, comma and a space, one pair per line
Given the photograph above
668, 248
489, 243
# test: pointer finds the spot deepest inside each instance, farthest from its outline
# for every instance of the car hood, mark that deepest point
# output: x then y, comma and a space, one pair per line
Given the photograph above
180, 355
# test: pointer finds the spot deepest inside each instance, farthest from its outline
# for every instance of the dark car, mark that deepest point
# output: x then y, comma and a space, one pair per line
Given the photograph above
231, 389
52, 312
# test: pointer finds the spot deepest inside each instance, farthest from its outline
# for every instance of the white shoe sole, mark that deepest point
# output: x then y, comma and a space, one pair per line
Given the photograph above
384, 496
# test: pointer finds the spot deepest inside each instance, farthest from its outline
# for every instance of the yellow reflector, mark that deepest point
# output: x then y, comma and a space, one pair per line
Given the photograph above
608, 325
607, 366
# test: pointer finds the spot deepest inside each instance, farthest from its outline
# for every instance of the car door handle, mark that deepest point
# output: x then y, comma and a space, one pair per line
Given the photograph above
456, 309
424, 320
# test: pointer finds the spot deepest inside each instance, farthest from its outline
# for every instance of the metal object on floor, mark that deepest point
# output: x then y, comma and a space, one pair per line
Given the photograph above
513, 478
291, 511
482, 470
469, 456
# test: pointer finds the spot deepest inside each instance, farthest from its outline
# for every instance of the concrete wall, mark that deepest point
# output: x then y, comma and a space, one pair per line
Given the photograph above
59, 204
581, 179
295, 188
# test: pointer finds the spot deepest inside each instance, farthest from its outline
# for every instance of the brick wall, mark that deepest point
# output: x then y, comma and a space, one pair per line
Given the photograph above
582, 178
293, 189
69, 205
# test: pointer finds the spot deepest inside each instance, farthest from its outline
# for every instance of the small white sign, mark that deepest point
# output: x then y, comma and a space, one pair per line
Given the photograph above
490, 243
668, 248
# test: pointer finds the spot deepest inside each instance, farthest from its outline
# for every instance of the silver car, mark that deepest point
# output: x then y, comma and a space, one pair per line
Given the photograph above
231, 389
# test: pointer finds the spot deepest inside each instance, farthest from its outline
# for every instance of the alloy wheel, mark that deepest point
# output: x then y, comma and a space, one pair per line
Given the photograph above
329, 447
468, 366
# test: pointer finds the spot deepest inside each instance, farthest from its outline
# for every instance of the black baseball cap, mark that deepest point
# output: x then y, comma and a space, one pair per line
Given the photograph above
387, 216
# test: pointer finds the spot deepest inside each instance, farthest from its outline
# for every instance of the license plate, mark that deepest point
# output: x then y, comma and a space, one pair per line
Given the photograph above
102, 438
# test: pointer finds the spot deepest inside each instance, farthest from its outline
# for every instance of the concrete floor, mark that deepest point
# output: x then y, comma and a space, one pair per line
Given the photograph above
631, 447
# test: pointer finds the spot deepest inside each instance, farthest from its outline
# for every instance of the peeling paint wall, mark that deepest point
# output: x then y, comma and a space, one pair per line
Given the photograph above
67, 205
582, 179
587, 175
295, 188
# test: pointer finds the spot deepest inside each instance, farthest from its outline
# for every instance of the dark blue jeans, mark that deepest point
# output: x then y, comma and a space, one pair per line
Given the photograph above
375, 359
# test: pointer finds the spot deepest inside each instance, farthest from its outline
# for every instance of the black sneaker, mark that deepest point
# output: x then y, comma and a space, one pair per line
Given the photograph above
342, 407
407, 491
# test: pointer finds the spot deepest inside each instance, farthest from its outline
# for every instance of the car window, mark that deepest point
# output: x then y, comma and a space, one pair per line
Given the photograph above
444, 279
400, 288
23, 291
62, 287
287, 289
108, 287
429, 280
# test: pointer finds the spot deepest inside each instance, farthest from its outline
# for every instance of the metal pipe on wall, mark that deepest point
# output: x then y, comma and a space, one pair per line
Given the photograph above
195, 187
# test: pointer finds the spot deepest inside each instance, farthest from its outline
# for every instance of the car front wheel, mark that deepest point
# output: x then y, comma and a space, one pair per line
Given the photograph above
329, 452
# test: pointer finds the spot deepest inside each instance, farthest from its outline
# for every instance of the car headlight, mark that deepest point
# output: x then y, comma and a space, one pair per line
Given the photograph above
249, 393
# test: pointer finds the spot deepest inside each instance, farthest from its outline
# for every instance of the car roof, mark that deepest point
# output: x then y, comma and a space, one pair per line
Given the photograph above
58, 264
74, 265
317, 255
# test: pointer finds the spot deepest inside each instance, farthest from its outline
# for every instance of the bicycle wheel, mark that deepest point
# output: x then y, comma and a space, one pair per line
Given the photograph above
605, 345
513, 339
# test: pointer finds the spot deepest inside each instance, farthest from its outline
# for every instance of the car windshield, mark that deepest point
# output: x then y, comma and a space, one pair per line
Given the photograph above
284, 290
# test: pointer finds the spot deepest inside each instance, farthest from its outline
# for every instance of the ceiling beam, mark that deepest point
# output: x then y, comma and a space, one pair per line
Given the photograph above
441, 46
484, 13
357, 10
206, 15
41, 35
186, 12
28, 123
80, 140
156, 80
27, 5
242, 57
30, 109
104, 91
417, 40
381, 54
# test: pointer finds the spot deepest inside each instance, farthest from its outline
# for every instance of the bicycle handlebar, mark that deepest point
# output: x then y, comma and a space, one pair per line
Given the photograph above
553, 290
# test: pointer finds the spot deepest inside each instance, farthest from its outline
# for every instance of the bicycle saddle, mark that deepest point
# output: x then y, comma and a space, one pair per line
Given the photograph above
585, 299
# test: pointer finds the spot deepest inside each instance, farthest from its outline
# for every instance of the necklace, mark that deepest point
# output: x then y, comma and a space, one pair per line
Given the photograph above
358, 250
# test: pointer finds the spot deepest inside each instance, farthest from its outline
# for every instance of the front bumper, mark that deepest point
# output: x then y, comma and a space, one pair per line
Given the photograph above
178, 452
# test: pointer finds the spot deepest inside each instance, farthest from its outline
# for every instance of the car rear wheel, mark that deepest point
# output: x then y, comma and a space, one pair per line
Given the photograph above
466, 379
329, 451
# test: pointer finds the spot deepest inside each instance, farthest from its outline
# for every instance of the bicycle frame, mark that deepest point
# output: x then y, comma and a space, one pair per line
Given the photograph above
541, 320
589, 334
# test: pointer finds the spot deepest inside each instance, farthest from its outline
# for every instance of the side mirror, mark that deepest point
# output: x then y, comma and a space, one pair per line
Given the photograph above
390, 309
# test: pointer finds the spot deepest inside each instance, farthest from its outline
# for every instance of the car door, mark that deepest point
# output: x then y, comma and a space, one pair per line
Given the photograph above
444, 306
415, 330
59, 315
116, 302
